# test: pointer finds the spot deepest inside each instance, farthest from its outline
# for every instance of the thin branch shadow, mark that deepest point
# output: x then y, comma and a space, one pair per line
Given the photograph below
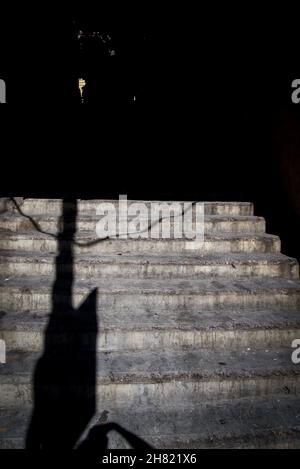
69, 225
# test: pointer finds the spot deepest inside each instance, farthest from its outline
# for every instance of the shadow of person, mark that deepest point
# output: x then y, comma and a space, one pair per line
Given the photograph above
64, 382
65, 375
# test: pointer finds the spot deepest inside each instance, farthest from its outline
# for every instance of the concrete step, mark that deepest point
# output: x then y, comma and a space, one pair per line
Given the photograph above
241, 423
33, 293
154, 329
212, 223
142, 378
23, 263
54, 206
34, 241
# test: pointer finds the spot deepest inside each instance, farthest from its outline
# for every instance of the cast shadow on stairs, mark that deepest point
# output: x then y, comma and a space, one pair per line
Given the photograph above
65, 377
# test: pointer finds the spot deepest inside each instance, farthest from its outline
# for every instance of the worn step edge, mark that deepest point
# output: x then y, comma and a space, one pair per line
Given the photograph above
143, 265
165, 286
85, 242
42, 206
162, 365
162, 377
36, 293
212, 224
156, 330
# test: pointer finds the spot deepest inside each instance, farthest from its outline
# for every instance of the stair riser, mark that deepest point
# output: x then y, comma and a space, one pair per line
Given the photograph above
167, 393
210, 227
92, 270
41, 207
16, 300
156, 340
146, 246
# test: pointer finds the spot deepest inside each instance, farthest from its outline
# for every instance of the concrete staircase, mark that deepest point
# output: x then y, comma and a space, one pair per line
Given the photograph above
194, 347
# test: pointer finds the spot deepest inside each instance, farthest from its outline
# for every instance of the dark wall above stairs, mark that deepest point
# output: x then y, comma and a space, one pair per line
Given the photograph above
213, 117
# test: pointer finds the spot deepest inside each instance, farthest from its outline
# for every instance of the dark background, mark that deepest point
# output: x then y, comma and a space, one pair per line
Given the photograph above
212, 116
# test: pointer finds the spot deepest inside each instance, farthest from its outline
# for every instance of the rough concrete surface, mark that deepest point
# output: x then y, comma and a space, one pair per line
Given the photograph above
193, 348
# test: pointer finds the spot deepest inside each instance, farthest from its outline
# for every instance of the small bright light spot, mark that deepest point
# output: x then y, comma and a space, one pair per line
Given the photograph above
81, 84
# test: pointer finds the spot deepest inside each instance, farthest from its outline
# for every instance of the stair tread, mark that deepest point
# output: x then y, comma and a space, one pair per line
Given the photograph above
34, 234
192, 259
85, 241
226, 319
201, 286
146, 258
32, 206
214, 202
236, 423
155, 366
95, 217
